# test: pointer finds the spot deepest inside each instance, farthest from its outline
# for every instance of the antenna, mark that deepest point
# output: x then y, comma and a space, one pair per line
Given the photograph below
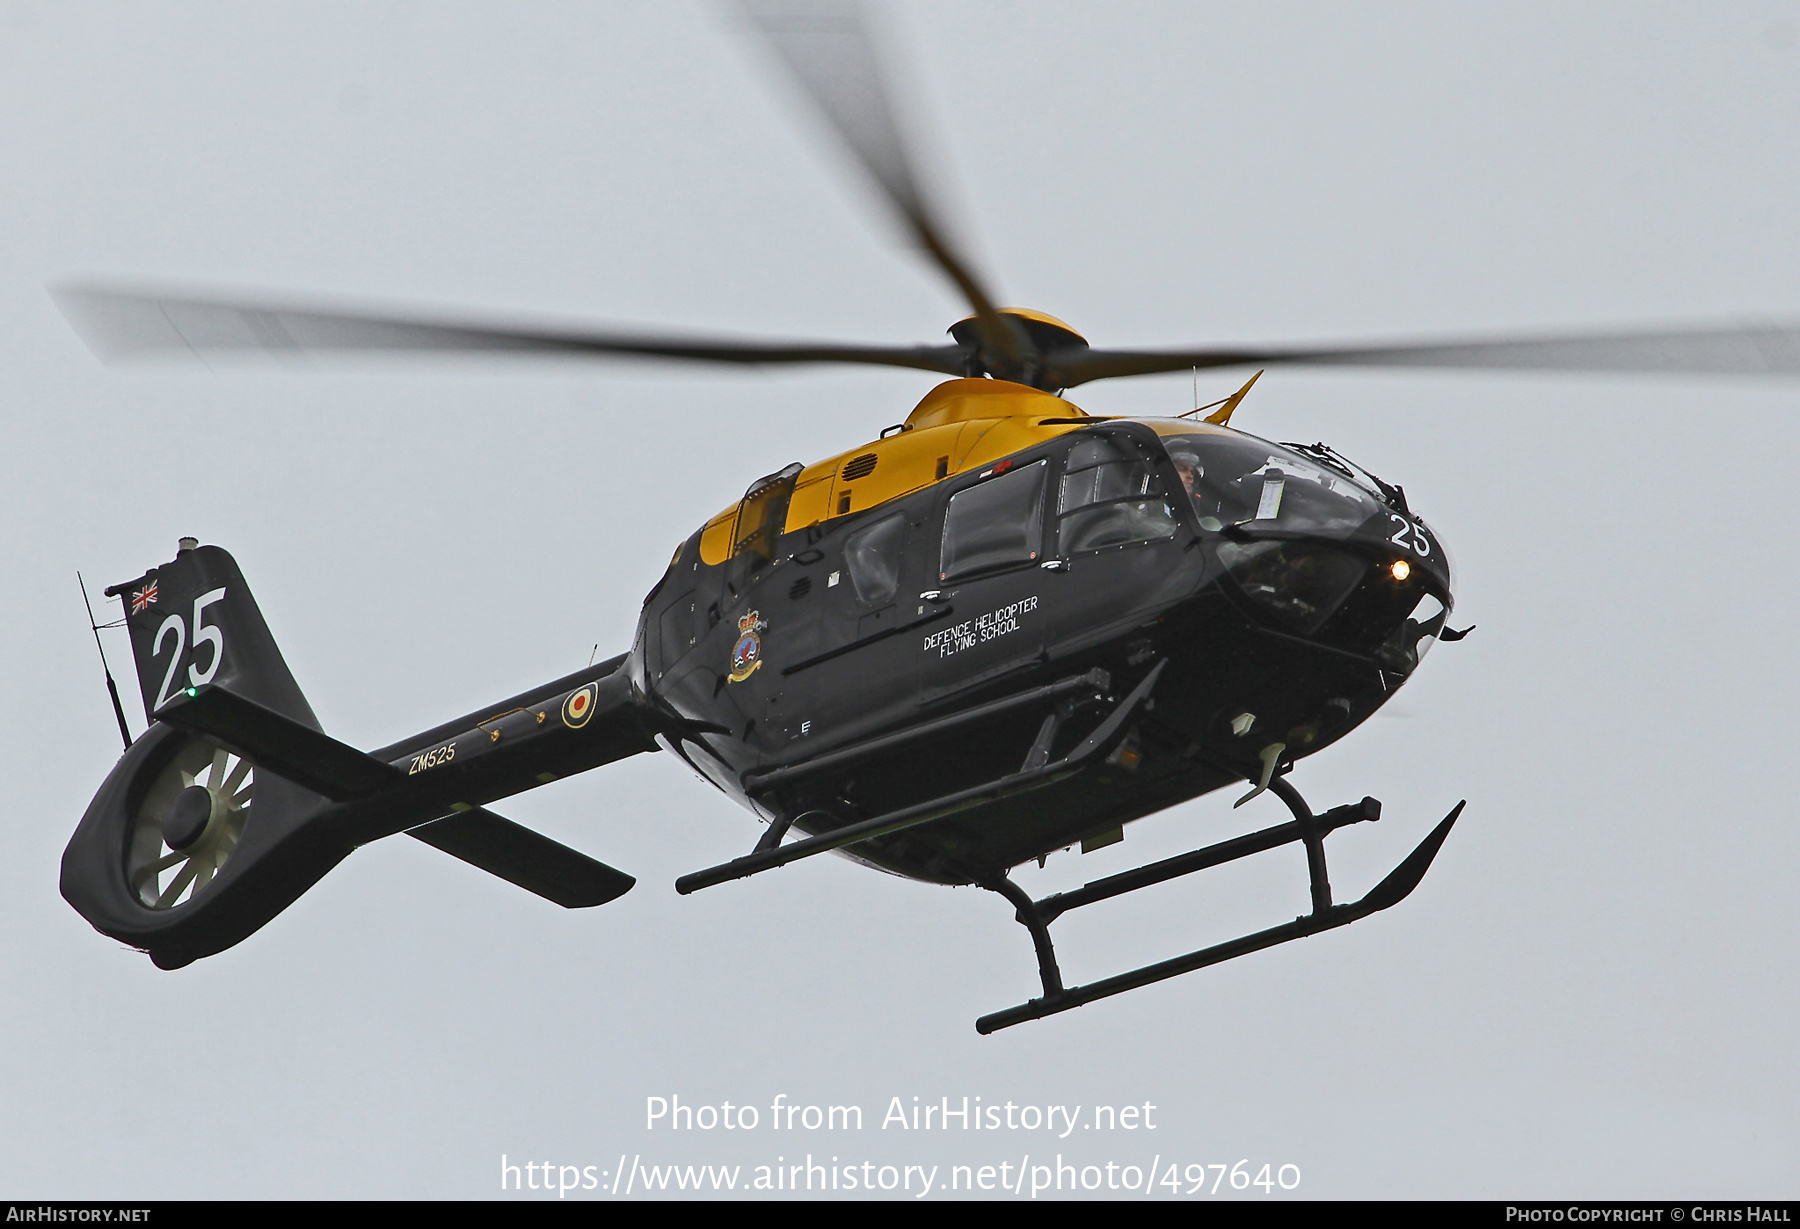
1225, 405
1209, 406
112, 688
1223, 417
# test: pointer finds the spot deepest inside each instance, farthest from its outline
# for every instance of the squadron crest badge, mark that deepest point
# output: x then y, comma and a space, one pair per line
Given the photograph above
746, 654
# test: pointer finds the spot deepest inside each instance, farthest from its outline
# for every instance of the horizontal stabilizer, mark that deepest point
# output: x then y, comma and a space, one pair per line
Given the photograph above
285, 747
526, 858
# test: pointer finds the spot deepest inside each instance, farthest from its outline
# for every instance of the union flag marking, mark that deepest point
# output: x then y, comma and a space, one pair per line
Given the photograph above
143, 597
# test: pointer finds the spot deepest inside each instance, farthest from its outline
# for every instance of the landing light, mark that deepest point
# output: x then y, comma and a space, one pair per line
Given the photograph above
1401, 569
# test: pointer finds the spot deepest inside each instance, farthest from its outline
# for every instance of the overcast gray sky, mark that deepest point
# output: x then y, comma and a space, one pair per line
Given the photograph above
1592, 994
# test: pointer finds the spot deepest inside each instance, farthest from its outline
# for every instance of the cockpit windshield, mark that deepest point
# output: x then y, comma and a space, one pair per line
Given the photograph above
1320, 547
1237, 479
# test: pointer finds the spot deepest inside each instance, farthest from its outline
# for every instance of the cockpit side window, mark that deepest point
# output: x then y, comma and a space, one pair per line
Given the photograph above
1110, 497
994, 523
872, 557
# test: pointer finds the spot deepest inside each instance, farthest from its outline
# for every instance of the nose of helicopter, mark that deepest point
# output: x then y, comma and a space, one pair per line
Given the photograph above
1341, 593
1370, 609
1315, 545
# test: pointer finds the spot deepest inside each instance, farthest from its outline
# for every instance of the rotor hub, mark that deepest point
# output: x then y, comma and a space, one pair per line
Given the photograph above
1040, 337
189, 816
189, 822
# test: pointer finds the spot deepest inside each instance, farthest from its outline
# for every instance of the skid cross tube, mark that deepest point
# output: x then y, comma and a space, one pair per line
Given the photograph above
882, 825
1307, 828
1052, 907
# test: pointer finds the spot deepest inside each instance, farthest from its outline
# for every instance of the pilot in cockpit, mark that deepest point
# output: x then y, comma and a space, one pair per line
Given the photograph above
1187, 464
1208, 502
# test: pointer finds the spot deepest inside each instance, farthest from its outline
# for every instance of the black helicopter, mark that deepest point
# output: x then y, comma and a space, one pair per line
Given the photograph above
1003, 628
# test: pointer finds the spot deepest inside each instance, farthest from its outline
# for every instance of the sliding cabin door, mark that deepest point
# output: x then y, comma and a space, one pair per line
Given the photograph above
986, 582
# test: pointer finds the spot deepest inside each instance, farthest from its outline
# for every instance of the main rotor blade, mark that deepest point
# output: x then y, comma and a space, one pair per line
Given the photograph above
122, 324
827, 46
1742, 349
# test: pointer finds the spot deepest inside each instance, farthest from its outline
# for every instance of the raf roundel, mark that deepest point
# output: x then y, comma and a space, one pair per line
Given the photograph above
578, 707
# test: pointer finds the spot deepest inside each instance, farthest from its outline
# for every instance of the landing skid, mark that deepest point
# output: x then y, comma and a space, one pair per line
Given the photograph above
1039, 769
1306, 827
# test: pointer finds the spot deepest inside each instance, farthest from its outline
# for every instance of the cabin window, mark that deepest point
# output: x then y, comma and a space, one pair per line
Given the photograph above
762, 514
872, 557
995, 523
1110, 498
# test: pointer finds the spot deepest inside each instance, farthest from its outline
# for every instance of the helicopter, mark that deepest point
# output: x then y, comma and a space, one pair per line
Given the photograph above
1003, 627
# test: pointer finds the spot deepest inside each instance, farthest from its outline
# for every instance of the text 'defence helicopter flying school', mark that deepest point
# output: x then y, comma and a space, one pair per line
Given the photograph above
1002, 628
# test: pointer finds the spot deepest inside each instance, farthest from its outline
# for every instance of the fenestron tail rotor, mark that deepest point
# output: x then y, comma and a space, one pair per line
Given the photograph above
189, 823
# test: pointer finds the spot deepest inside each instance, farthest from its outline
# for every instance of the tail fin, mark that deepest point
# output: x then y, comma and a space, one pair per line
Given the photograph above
194, 622
234, 801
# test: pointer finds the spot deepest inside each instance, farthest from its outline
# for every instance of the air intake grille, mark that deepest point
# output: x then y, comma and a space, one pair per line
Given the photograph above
800, 588
860, 467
